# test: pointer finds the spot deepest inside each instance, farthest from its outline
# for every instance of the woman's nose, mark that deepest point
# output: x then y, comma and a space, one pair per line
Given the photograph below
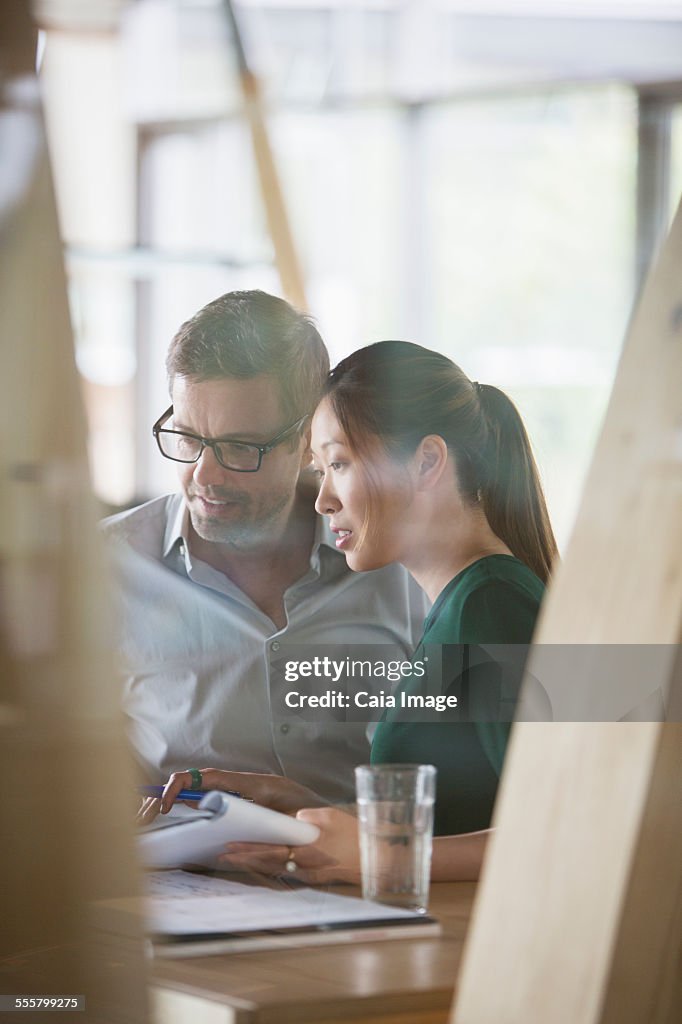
327, 503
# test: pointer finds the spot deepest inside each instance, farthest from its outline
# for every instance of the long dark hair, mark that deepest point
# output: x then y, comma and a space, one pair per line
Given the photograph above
396, 393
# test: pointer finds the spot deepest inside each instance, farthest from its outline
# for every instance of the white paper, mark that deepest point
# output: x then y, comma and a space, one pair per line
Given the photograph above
180, 903
200, 840
178, 813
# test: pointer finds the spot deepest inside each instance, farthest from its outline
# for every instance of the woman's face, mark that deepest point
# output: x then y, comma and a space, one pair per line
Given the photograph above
344, 495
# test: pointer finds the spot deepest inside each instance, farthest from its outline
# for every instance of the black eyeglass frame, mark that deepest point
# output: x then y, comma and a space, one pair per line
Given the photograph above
213, 442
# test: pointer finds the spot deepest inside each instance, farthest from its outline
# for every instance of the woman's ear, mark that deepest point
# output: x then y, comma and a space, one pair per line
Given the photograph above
430, 461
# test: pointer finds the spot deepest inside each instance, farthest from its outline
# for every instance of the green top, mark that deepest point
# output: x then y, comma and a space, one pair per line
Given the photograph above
493, 601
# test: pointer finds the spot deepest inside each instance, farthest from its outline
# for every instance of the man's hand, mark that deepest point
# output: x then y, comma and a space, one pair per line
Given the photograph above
268, 790
148, 810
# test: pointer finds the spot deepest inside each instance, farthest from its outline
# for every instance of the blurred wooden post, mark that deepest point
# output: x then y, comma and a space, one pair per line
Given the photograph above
286, 256
66, 779
578, 917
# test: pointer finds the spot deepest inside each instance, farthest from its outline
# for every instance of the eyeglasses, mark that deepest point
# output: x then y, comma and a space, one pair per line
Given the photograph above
239, 456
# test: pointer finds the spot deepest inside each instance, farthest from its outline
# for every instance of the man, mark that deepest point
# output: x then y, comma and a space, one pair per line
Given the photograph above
219, 578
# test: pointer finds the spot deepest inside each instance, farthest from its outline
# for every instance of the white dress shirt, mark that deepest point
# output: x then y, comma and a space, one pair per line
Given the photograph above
203, 664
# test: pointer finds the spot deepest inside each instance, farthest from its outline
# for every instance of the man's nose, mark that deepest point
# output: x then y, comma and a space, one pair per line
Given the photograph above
327, 502
208, 470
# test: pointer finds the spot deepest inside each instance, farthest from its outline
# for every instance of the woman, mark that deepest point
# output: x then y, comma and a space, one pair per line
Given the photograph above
419, 465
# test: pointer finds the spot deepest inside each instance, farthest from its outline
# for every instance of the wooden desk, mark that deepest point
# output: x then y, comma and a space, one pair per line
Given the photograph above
407, 981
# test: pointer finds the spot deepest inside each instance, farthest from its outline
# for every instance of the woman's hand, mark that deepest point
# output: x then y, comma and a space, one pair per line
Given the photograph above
268, 790
334, 857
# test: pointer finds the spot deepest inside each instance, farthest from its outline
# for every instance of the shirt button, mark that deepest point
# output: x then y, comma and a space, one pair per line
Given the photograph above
182, 550
284, 728
274, 646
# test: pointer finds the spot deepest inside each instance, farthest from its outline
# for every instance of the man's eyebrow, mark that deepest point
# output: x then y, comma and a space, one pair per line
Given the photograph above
223, 437
182, 427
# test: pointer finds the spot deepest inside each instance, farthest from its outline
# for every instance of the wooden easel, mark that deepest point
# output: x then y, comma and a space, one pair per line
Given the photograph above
578, 917
66, 780
286, 256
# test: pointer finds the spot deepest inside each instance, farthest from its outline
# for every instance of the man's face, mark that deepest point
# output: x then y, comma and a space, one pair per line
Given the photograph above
244, 510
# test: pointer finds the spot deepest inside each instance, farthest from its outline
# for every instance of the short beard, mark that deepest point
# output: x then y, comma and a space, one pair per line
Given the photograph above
241, 535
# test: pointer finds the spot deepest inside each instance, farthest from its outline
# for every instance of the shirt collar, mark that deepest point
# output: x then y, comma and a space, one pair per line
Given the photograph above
177, 524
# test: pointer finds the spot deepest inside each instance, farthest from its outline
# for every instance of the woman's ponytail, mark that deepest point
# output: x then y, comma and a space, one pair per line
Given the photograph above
513, 500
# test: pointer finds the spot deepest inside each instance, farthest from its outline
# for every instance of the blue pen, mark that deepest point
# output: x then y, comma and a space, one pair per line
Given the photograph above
184, 794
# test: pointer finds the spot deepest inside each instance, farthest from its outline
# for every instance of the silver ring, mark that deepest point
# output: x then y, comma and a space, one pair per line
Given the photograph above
291, 864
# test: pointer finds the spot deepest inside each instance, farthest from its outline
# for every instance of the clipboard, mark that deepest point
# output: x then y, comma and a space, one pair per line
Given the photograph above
192, 914
198, 837
181, 947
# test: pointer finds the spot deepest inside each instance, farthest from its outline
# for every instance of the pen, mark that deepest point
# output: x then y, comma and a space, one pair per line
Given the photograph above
185, 794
